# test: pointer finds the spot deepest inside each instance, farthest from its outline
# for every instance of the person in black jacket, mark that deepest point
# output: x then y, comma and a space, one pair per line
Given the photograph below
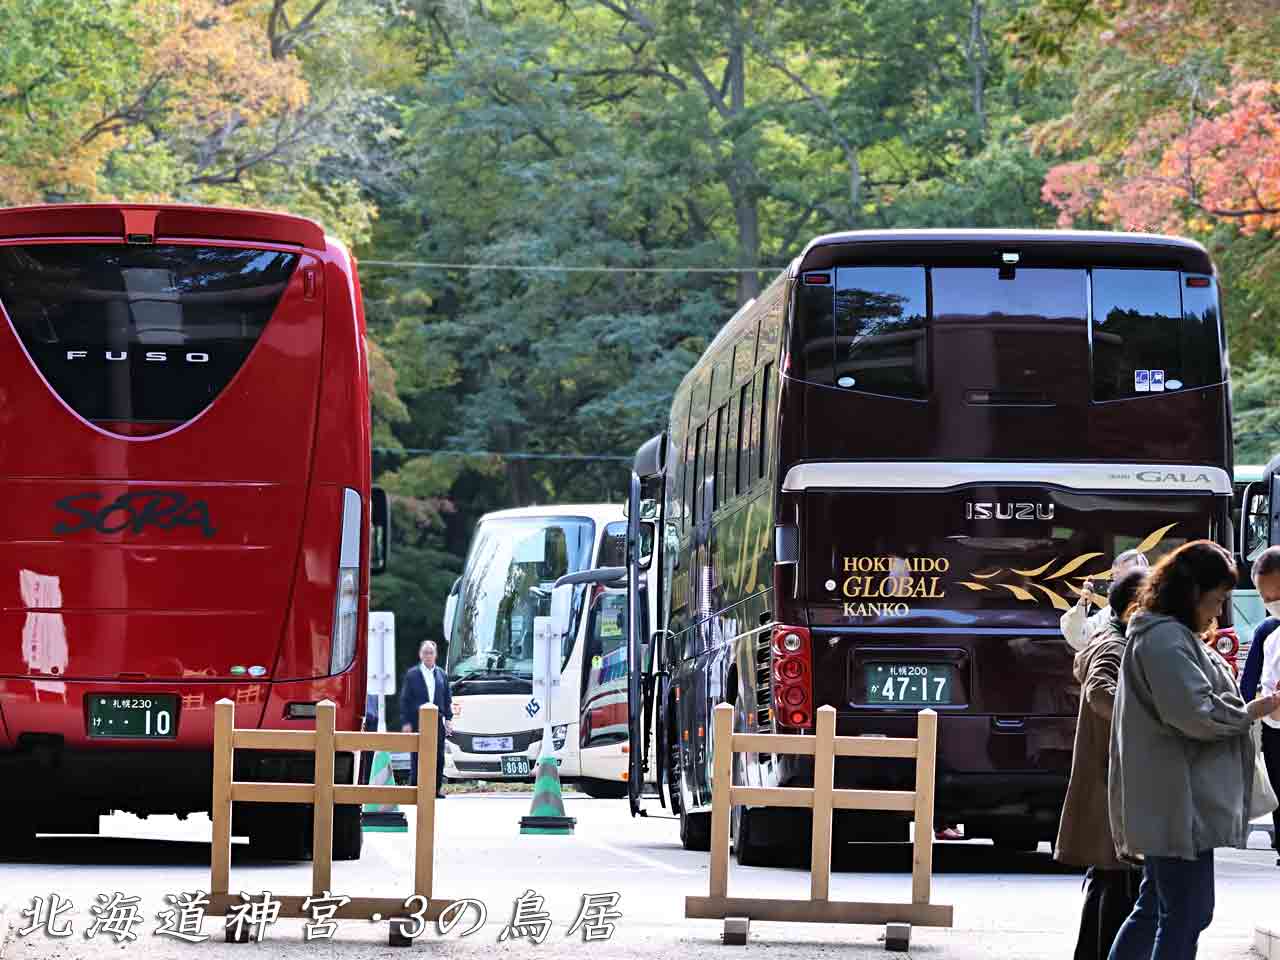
427, 683
1266, 578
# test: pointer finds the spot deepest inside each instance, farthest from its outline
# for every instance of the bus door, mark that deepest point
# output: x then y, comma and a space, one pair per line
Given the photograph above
645, 503
603, 716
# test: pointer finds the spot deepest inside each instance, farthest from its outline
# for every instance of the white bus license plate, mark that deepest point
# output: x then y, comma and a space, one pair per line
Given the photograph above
515, 766
490, 744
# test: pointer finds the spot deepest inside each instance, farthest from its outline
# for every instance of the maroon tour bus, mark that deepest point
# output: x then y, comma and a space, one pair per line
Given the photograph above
185, 467
884, 482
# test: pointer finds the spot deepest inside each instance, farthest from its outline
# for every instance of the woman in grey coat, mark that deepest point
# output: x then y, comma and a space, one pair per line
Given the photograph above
1181, 756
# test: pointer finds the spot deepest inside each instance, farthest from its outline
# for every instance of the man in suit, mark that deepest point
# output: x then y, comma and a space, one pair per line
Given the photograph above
427, 683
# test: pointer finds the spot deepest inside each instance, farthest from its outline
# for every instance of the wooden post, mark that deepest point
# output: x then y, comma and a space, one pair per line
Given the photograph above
426, 802
721, 792
824, 766
322, 805
926, 762
224, 720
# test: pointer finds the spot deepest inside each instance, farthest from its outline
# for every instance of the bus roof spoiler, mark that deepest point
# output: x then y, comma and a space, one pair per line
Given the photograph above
157, 222
651, 458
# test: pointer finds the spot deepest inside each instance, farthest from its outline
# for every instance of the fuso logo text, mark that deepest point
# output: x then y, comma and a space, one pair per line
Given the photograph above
151, 356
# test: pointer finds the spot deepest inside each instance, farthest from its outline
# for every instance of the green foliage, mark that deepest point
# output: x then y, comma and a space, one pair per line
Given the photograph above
597, 133
1255, 395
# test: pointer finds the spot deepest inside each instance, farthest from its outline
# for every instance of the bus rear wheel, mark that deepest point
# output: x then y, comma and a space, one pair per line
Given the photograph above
348, 838
280, 832
1016, 841
17, 835
695, 831
602, 789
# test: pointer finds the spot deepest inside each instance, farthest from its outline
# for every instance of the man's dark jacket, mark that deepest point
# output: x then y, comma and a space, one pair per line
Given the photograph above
413, 694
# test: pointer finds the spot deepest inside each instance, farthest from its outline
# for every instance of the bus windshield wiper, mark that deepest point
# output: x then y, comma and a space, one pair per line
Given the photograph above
490, 675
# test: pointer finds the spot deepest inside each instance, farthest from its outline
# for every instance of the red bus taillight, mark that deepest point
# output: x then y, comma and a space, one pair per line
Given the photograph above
792, 676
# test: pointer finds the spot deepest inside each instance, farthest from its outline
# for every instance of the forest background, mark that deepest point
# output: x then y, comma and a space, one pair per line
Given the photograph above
646, 137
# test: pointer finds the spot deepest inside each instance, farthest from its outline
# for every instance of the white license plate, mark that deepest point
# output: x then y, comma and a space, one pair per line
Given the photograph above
515, 766
491, 744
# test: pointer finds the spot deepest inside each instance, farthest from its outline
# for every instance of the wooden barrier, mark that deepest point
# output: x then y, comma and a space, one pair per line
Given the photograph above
324, 742
823, 799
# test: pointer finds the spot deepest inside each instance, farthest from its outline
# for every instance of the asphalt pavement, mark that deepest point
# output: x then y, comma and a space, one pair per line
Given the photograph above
1006, 906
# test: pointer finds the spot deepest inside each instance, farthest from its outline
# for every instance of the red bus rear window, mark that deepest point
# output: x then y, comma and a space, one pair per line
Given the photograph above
140, 338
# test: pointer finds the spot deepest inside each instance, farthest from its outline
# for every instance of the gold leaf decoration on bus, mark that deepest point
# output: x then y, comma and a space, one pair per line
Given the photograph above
1063, 573
1018, 592
1074, 565
1037, 571
1154, 540
1059, 602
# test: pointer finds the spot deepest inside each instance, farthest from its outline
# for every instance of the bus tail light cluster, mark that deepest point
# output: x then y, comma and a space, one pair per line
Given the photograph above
346, 606
792, 677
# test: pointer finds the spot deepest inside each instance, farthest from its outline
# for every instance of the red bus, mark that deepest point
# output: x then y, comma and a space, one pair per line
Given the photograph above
185, 468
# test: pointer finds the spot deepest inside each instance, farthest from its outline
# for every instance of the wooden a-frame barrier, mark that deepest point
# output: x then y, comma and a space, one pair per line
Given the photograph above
325, 741
737, 912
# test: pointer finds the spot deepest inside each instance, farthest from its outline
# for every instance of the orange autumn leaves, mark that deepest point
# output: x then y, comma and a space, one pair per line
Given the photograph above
1179, 172
1209, 153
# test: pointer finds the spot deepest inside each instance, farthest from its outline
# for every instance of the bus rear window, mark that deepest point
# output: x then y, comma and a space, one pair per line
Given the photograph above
140, 338
880, 323
1153, 331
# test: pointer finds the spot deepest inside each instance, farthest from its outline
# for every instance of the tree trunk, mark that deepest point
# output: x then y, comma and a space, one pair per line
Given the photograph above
746, 209
976, 54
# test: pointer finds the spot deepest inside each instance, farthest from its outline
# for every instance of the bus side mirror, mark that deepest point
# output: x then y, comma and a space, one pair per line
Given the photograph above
561, 608
450, 607
380, 529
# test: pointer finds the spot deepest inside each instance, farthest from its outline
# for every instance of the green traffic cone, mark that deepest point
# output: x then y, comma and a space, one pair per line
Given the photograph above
546, 815
382, 817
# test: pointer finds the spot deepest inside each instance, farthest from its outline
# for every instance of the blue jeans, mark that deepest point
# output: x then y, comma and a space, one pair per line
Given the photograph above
1175, 904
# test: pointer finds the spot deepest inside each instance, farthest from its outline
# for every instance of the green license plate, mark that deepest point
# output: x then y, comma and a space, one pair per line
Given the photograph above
515, 766
151, 717
917, 684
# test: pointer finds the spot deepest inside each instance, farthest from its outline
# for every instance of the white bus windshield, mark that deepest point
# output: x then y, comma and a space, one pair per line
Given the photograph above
513, 564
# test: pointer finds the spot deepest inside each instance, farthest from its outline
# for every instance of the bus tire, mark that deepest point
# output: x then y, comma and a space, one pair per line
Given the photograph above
750, 849
771, 838
281, 832
17, 835
1016, 841
348, 837
602, 789
695, 830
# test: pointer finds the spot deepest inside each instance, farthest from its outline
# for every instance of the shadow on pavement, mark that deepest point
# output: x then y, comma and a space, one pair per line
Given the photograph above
135, 851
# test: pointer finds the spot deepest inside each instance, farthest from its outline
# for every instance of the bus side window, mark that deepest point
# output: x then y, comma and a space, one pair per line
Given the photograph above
695, 475
763, 414
717, 462
730, 447
740, 479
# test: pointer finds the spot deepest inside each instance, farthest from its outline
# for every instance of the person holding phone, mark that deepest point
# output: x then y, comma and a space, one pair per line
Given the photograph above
1182, 752
1262, 668
1077, 624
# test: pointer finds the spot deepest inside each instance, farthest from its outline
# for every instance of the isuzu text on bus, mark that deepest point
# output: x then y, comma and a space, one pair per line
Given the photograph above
184, 466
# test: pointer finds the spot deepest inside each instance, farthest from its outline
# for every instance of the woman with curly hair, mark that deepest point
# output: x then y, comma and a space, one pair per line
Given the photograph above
1182, 756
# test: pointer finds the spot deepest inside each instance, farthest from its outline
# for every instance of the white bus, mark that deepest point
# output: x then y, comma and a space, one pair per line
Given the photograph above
514, 560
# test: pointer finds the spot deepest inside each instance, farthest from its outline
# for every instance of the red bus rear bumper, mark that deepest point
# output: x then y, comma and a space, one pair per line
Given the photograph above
54, 772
